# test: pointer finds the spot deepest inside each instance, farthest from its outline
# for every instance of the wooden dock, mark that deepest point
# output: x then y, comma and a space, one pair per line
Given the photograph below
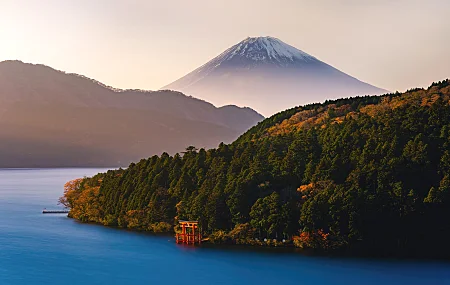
45, 211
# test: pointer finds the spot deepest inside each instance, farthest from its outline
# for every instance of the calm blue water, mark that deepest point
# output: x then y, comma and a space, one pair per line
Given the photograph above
52, 249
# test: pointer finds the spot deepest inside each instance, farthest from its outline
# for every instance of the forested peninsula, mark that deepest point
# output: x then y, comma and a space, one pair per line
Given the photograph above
366, 174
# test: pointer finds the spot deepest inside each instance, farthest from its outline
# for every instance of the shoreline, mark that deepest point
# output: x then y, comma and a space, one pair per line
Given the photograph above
289, 249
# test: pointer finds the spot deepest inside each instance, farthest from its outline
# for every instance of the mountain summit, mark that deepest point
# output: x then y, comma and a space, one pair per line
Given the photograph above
268, 75
262, 50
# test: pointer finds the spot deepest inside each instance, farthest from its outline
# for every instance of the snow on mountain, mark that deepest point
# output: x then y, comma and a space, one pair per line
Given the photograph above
268, 75
266, 49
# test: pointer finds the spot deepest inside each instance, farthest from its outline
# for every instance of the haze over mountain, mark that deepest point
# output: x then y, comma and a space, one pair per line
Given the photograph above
270, 76
50, 118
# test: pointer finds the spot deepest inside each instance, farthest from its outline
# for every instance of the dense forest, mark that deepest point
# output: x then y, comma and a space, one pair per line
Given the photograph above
366, 174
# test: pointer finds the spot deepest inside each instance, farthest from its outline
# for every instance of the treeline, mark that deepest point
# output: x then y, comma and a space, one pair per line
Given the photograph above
365, 174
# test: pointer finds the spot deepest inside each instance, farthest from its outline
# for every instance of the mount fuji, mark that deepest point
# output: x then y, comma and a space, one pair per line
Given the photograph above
269, 76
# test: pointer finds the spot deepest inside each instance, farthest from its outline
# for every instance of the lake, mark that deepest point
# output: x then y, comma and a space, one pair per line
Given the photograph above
53, 249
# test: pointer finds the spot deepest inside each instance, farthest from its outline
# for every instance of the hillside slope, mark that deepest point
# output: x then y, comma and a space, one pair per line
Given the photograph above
49, 118
367, 174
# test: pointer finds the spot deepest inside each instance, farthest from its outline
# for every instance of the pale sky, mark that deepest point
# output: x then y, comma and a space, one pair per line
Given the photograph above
392, 44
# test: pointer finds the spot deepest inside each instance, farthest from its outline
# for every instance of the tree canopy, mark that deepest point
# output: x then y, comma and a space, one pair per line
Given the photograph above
367, 174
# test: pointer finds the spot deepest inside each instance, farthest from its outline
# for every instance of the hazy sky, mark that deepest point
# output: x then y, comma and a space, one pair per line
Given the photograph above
393, 44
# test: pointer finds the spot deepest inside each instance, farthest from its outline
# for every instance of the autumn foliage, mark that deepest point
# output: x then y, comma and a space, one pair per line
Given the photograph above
368, 173
313, 239
82, 199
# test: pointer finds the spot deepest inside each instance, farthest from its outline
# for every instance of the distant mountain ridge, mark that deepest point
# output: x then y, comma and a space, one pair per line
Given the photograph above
53, 118
268, 75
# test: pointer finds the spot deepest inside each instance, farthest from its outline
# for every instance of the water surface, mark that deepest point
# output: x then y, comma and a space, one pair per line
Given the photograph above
53, 249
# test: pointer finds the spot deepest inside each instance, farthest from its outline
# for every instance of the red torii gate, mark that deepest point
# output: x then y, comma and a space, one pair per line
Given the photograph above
190, 233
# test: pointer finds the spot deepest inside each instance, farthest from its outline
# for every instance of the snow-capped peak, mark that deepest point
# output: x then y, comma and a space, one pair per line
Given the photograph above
250, 53
275, 48
266, 49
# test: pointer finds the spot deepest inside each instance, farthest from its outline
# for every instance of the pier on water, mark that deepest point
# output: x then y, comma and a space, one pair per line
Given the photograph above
63, 211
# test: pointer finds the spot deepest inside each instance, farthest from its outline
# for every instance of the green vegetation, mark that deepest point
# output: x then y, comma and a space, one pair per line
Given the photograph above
364, 174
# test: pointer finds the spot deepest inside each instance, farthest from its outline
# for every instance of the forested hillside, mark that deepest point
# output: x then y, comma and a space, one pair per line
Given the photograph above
365, 174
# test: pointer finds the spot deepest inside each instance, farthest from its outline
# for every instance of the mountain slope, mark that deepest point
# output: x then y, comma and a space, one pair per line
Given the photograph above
268, 75
366, 175
50, 118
